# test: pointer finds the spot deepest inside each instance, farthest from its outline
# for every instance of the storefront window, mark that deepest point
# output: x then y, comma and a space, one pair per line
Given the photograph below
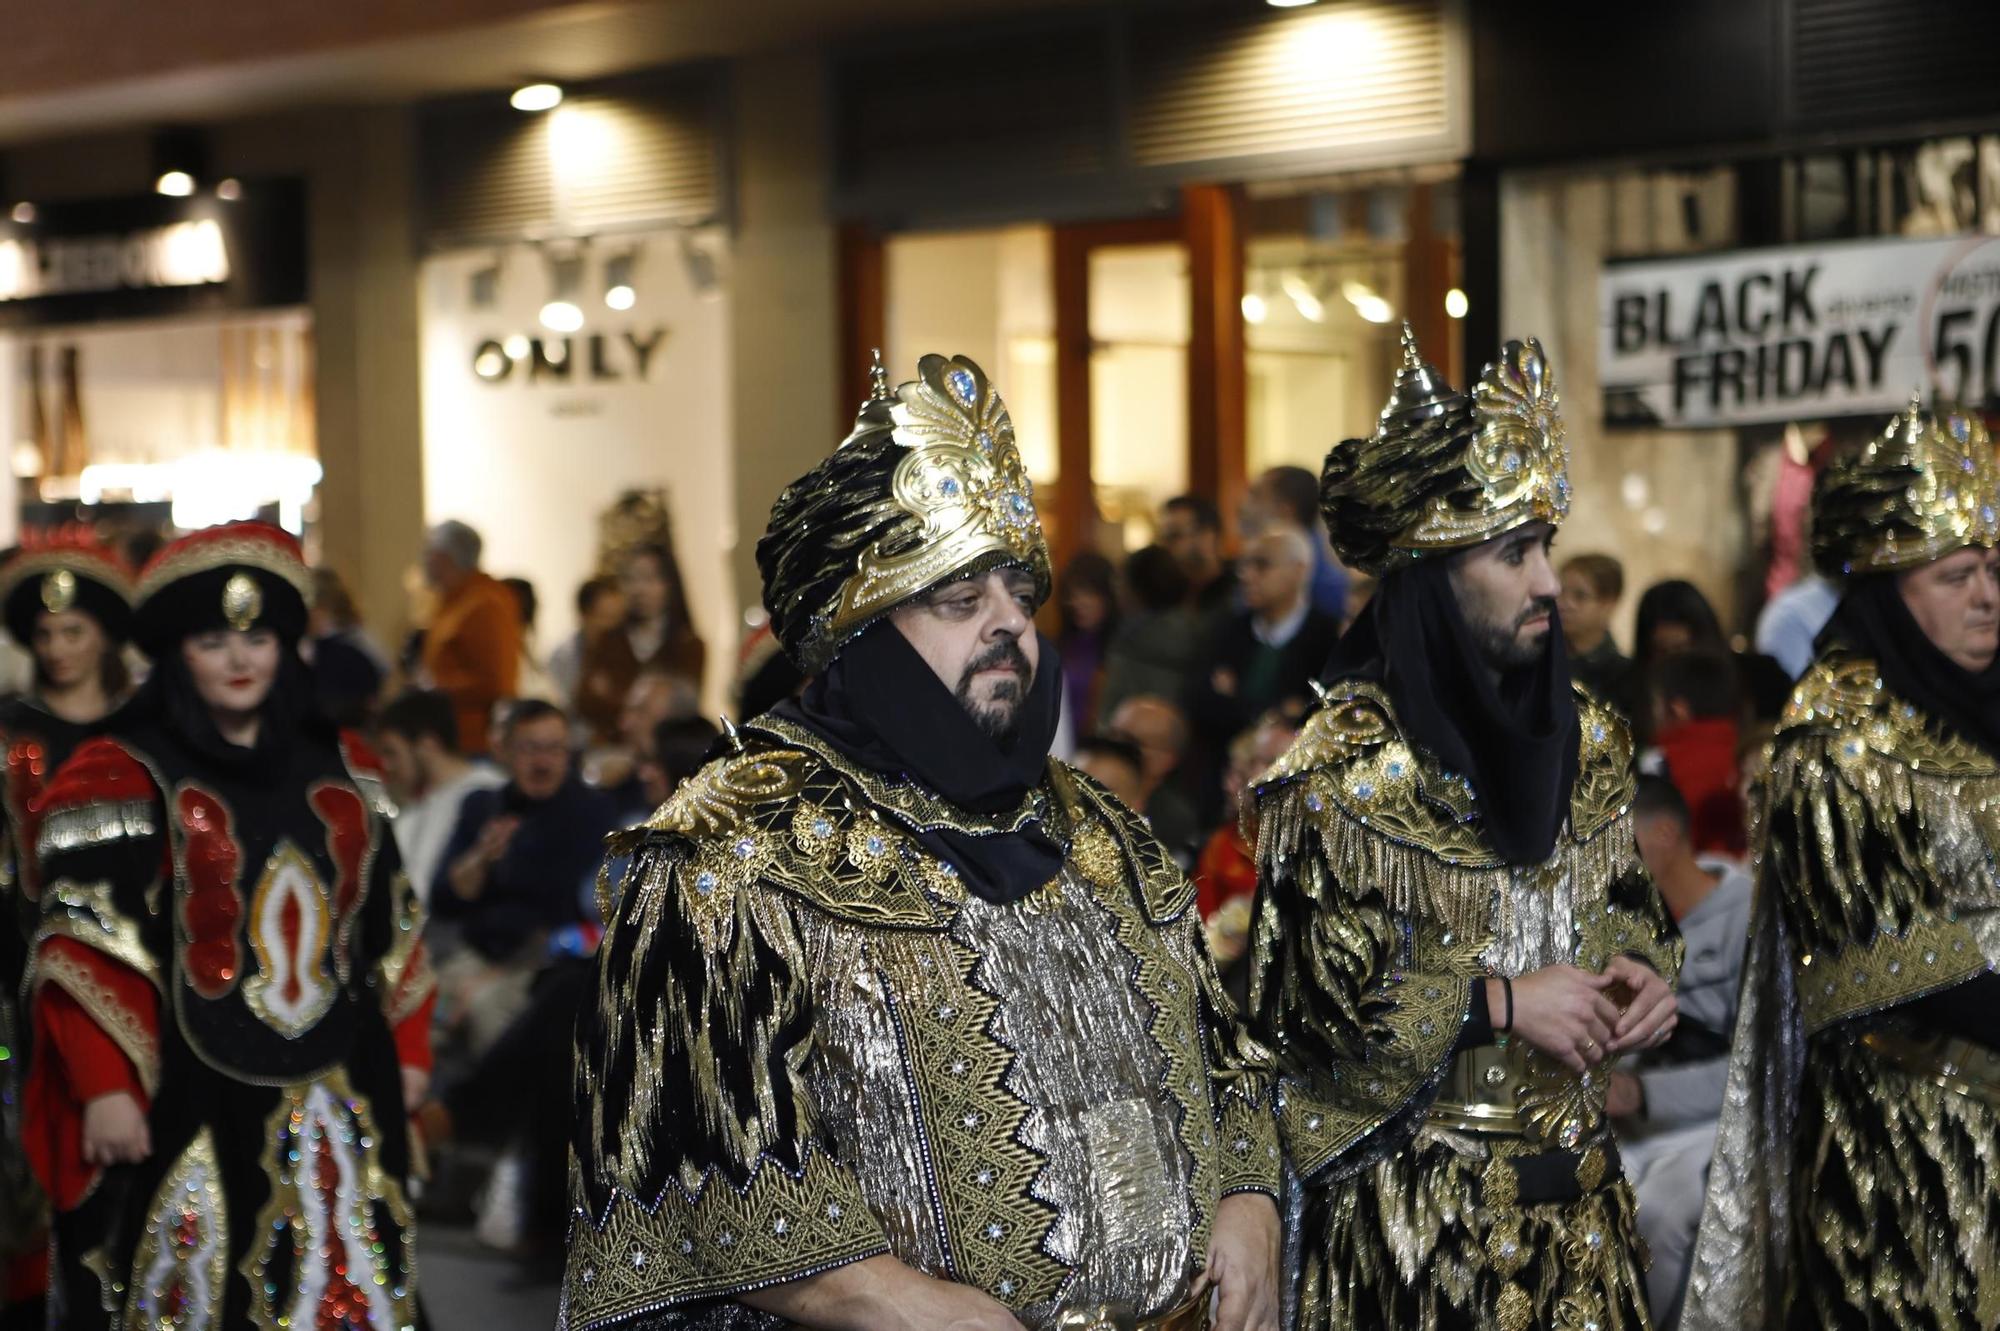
196, 420
1138, 383
1328, 280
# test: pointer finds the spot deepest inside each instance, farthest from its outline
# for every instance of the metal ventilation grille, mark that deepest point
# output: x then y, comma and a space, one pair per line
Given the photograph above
1859, 62
486, 176
624, 154
647, 157
1361, 82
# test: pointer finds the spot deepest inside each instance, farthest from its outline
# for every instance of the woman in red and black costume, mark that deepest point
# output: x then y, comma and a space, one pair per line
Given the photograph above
67, 602
229, 992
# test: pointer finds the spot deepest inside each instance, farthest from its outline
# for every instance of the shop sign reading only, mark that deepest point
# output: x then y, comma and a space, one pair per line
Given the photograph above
1809, 331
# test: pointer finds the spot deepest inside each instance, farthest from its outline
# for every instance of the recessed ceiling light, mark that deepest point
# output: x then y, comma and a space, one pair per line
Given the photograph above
536, 97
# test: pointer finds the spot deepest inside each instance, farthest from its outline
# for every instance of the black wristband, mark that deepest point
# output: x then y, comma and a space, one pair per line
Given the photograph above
1507, 987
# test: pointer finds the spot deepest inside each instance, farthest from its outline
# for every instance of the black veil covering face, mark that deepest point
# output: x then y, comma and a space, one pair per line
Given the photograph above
1446, 471
1512, 734
929, 487
884, 708
1873, 620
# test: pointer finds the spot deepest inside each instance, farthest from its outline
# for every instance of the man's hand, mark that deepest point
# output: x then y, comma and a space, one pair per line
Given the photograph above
1243, 1263
1624, 1097
496, 836
1565, 1013
1650, 1014
881, 1294
115, 1131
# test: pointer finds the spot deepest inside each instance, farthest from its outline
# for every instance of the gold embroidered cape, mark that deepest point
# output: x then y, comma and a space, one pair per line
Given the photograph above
812, 1045
1381, 904
1843, 1185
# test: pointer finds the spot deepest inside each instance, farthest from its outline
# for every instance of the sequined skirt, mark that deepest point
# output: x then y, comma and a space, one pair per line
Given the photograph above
1898, 1181
1418, 1241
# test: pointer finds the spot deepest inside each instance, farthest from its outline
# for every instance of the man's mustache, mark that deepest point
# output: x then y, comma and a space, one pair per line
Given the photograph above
1007, 652
1541, 605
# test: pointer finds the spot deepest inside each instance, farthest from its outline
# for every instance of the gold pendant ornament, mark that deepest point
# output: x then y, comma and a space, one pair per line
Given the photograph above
58, 591
242, 601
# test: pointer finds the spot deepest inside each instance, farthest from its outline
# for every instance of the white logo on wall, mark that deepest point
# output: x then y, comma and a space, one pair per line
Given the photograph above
1800, 332
600, 358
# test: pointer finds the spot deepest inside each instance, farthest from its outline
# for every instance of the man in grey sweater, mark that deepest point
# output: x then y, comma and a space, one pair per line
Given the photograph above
1667, 1103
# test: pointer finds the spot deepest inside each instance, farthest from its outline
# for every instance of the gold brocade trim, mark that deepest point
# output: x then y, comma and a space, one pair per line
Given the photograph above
994, 1226
182, 1259
1249, 1160
1614, 932
1932, 954
1163, 886
721, 795
1173, 992
127, 1029
1846, 694
250, 552
86, 913
1359, 767
717, 1242
330, 1202
911, 804
77, 562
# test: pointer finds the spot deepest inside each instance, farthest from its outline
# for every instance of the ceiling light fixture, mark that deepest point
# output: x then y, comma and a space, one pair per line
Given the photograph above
536, 97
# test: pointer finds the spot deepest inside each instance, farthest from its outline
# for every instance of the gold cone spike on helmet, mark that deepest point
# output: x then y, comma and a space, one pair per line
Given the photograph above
1927, 486
1444, 470
928, 486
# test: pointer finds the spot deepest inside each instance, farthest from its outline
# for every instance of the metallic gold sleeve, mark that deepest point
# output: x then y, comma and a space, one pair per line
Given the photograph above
1875, 887
702, 1167
1364, 1037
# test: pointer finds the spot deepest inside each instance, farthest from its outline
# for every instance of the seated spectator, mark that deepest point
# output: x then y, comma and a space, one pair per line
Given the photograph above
1158, 638
1113, 762
515, 870
1665, 1106
1695, 735
658, 632
1159, 728
472, 647
600, 608
429, 779
532, 680
1674, 616
1270, 652
1191, 531
1087, 610
348, 665
1591, 586
1289, 497
518, 1096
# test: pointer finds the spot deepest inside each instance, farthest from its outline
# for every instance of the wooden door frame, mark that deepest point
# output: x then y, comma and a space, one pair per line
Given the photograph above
1210, 228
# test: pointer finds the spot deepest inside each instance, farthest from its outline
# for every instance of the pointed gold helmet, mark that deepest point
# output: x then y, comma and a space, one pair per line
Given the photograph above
1926, 486
929, 486
1444, 469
